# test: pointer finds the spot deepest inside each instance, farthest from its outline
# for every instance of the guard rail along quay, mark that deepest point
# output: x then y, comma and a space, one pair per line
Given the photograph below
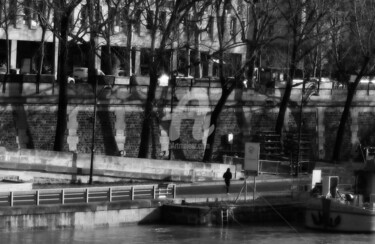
86, 195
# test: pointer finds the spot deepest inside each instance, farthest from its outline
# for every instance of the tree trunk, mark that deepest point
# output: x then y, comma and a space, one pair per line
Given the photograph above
62, 78
344, 118
207, 157
147, 120
92, 43
345, 115
286, 97
42, 53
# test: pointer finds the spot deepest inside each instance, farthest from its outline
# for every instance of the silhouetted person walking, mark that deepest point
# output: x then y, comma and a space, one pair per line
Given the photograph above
227, 177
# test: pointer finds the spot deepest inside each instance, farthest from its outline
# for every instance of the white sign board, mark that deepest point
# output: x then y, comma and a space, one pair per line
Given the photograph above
316, 177
252, 157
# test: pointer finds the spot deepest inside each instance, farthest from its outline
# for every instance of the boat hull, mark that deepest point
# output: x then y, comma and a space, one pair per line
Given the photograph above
333, 215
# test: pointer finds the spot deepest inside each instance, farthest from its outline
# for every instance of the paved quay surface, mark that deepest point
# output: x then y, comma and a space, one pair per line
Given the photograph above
266, 185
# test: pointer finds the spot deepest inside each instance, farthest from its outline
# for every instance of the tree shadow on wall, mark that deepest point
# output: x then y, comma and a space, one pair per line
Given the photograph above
108, 132
19, 113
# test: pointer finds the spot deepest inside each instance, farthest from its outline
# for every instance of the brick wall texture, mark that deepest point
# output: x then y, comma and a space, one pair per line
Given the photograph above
37, 124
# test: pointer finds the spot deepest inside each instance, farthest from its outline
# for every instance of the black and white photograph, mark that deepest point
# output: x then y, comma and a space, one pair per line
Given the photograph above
187, 121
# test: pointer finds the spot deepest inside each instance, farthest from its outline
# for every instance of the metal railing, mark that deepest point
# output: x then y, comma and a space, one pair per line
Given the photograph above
274, 167
86, 195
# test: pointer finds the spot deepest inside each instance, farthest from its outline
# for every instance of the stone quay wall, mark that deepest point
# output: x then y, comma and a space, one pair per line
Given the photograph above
79, 216
40, 166
28, 119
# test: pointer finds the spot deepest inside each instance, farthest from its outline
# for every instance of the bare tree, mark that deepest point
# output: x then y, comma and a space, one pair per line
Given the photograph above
301, 19
158, 63
9, 13
39, 11
353, 51
63, 11
255, 36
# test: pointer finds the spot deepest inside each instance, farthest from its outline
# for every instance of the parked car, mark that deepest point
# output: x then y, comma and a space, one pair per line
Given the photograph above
121, 72
3, 70
80, 74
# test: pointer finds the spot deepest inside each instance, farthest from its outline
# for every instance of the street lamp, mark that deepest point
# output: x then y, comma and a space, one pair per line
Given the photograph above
230, 142
93, 126
163, 80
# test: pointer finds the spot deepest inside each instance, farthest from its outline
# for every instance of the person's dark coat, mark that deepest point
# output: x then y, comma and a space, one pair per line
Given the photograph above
227, 177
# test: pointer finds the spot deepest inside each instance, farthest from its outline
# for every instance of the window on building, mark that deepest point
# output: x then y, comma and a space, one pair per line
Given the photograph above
145, 61
41, 7
231, 65
115, 20
162, 20
124, 16
13, 12
27, 10
138, 20
182, 62
150, 19
233, 28
205, 62
210, 27
84, 16
35, 10
169, 3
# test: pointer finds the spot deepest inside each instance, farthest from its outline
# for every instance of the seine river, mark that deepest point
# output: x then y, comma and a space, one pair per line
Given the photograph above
165, 234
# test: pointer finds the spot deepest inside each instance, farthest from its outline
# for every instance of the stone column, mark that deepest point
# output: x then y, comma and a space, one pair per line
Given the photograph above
56, 57
174, 60
210, 67
13, 54
97, 57
320, 131
164, 142
137, 62
120, 127
72, 127
188, 53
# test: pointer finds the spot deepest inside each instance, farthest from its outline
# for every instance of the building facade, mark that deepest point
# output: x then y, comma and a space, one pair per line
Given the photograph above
123, 37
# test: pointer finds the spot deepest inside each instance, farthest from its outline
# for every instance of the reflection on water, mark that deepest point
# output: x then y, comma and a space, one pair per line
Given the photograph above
184, 234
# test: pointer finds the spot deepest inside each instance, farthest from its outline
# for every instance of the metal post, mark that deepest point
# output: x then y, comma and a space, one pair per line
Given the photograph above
87, 195
132, 193
93, 132
110, 194
11, 200
300, 129
245, 189
174, 191
254, 189
62, 196
37, 198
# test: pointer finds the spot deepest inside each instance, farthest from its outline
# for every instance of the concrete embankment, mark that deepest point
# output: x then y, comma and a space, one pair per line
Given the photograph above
80, 215
56, 167
260, 211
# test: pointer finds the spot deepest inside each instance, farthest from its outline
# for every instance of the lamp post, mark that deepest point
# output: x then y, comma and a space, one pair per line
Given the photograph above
230, 141
93, 132
163, 81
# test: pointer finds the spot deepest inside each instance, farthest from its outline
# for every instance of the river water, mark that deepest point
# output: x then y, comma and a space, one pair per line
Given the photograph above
166, 234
